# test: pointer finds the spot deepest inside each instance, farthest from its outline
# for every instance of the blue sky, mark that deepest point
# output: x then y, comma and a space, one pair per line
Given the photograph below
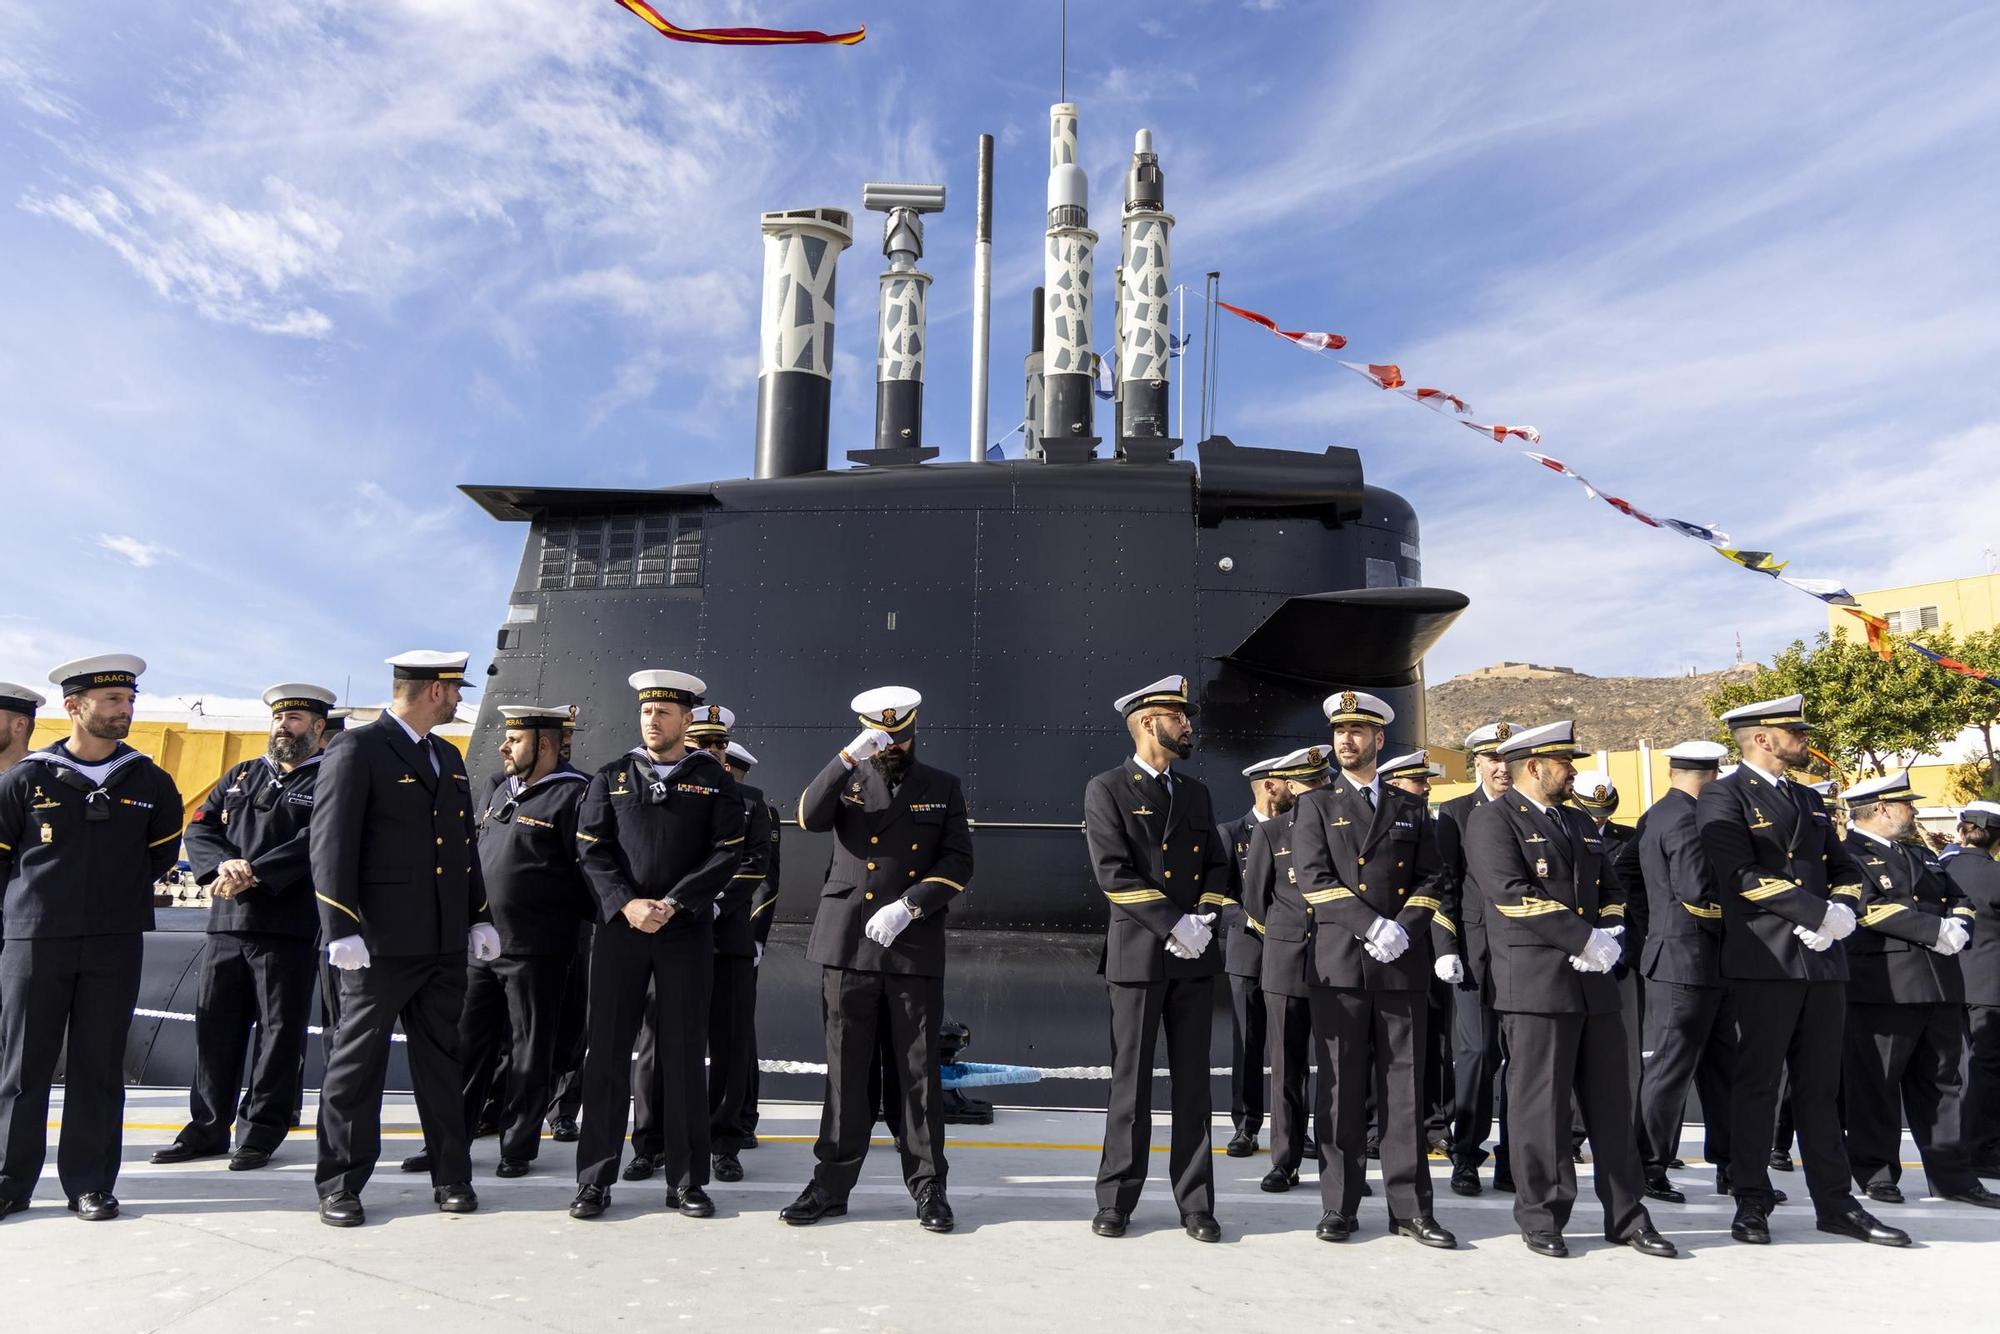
279, 276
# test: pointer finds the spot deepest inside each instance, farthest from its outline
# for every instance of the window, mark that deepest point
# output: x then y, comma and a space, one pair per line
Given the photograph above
1912, 620
620, 551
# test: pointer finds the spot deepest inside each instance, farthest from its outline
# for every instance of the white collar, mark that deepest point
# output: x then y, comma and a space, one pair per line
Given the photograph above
1373, 786
1538, 805
1261, 817
408, 730
1487, 796
1156, 773
1871, 834
645, 757
1776, 780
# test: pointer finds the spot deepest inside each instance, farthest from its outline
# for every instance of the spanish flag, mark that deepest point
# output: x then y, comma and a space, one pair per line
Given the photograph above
740, 36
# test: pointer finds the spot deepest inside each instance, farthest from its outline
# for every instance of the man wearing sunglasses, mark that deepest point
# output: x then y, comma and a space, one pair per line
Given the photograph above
250, 843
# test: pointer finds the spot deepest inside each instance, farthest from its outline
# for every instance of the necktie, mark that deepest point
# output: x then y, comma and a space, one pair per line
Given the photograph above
1367, 797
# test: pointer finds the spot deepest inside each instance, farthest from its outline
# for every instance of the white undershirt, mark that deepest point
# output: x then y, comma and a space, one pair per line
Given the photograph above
422, 743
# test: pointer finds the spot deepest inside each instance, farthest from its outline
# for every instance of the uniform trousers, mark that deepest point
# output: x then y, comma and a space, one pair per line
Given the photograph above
732, 1048
1246, 1055
1557, 1066
512, 1003
1789, 1029
861, 1011
1982, 1085
1476, 1058
426, 992
1689, 1042
566, 1078
1372, 1040
1288, 1051
1905, 1061
1184, 1007
666, 974
80, 989
251, 983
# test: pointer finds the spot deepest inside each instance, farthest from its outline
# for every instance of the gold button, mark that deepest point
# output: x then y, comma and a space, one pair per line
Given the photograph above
1360, 861
440, 870
911, 874
873, 839
1309, 912
1399, 866
1170, 875
440, 842
913, 847
1197, 849
1361, 889
871, 866
1163, 847
1402, 893
868, 896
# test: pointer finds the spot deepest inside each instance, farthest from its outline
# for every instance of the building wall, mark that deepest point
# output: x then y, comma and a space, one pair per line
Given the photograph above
1966, 606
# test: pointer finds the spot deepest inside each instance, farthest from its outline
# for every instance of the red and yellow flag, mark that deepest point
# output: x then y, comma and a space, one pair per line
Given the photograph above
740, 36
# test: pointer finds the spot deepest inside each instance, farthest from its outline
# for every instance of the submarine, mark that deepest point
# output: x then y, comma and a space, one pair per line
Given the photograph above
1021, 596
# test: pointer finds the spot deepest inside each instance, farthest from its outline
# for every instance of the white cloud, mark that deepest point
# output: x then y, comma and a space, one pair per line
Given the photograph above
141, 554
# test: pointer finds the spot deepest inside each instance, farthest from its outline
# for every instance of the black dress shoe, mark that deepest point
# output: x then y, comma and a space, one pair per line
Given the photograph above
749, 1139
1201, 1226
1658, 1187
1310, 1148
1550, 1244
1751, 1225
15, 1206
1646, 1240
486, 1130
1241, 1145
1465, 1180
180, 1151
95, 1206
726, 1167
693, 1202
456, 1198
590, 1201
248, 1160
1277, 1181
1424, 1230
934, 1210
1374, 1149
1367, 1189
1503, 1180
1781, 1161
563, 1129
1676, 1165
1986, 1169
511, 1167
1973, 1194
1110, 1222
812, 1205
1864, 1226
1334, 1226
1885, 1192
641, 1167
341, 1209
418, 1162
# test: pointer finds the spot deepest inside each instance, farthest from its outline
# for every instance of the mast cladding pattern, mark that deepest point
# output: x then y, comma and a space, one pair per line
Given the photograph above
800, 269
1062, 134
899, 342
1066, 330
1143, 348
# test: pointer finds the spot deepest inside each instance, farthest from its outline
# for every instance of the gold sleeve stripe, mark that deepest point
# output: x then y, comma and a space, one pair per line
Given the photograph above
762, 908
1530, 906
732, 842
1217, 900
940, 880
6, 847
1882, 912
1334, 895
1955, 912
1132, 896
1445, 922
1423, 901
1768, 888
1255, 925
802, 810
587, 838
336, 903
1706, 914
1847, 892
174, 837
1612, 910
748, 875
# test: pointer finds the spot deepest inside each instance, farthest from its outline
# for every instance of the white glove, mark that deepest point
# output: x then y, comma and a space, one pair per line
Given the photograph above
1814, 941
1952, 936
482, 942
1839, 922
866, 742
715, 909
1388, 938
1178, 950
756, 959
1449, 968
1192, 934
349, 953
1598, 953
889, 921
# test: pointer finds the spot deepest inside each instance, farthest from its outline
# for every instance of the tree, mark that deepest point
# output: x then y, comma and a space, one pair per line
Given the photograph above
1976, 709
1868, 714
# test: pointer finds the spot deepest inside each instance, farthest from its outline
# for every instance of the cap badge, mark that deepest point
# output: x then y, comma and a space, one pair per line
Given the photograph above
1347, 701
1501, 731
1314, 757
889, 714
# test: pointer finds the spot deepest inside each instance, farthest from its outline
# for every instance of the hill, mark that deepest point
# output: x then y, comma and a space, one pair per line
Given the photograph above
1611, 712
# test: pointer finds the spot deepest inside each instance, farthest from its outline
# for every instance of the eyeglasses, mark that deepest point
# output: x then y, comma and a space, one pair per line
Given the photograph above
505, 810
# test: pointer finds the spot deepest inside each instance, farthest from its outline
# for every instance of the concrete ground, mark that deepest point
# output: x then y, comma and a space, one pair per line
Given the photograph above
201, 1248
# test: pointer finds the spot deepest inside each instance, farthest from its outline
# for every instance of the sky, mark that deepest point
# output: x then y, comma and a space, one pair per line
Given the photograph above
278, 277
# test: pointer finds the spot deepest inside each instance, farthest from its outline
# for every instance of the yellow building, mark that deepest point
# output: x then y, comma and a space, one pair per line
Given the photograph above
1964, 606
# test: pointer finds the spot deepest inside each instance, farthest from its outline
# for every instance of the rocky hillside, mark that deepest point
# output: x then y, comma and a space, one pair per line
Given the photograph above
1611, 712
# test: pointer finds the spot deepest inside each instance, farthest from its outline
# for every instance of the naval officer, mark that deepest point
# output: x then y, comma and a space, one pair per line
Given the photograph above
1475, 1024
1414, 773
660, 833
1977, 877
1368, 870
1553, 940
87, 825
1905, 1041
1150, 831
763, 904
879, 939
1243, 963
392, 799
250, 843
1788, 888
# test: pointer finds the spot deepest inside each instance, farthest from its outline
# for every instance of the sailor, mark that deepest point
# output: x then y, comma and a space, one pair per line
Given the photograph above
1413, 773
1368, 869
1788, 892
732, 1009
527, 853
1151, 835
1276, 912
17, 722
250, 843
660, 834
879, 940
1905, 1038
763, 901
393, 798
1976, 876
1242, 962
87, 825
1475, 1024
566, 1078
1553, 940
